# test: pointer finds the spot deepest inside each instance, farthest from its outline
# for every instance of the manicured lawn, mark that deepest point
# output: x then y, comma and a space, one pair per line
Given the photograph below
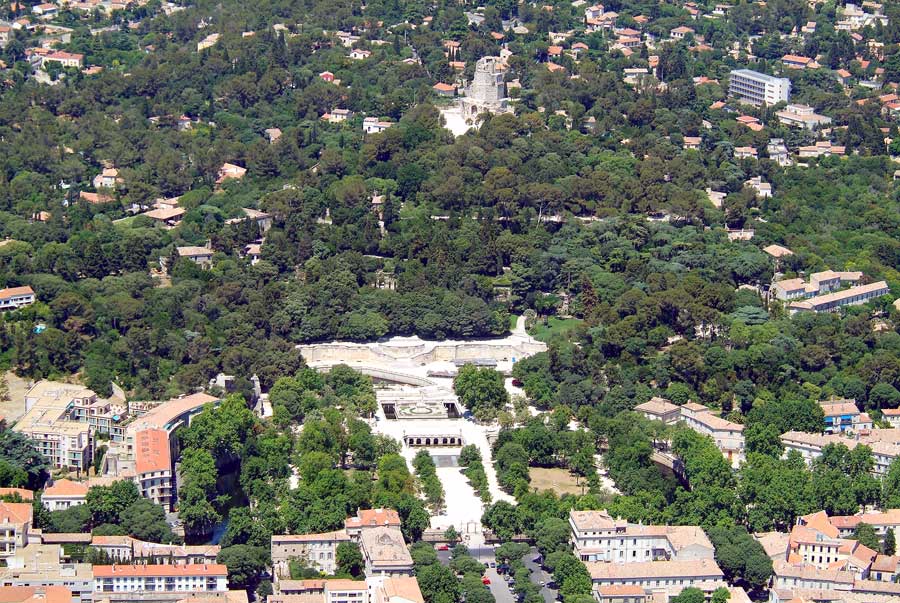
557, 480
555, 326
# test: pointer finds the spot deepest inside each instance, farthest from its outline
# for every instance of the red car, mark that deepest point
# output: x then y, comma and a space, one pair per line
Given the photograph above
485, 580
443, 547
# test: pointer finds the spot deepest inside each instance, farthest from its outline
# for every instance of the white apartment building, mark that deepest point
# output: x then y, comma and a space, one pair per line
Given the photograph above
64, 442
14, 298
130, 580
758, 88
596, 536
802, 116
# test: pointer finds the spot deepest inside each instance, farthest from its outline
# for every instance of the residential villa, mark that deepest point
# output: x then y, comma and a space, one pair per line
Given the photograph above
63, 494
229, 171
802, 116
202, 256
372, 125
660, 409
13, 298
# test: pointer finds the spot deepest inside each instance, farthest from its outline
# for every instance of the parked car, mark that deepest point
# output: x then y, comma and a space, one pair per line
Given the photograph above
493, 564
485, 580
442, 547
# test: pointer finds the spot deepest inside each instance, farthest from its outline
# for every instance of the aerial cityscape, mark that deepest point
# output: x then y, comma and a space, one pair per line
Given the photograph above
394, 301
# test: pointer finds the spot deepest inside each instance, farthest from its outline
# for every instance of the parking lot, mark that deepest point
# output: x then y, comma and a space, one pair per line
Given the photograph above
498, 586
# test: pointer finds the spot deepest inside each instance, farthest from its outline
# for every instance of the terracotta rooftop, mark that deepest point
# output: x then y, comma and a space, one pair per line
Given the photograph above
152, 452
66, 488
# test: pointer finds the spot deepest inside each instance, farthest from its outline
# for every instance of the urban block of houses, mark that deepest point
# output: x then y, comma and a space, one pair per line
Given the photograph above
377, 531
884, 443
125, 549
145, 454
728, 436
597, 536
758, 88
666, 578
818, 555
843, 415
802, 116
13, 298
399, 589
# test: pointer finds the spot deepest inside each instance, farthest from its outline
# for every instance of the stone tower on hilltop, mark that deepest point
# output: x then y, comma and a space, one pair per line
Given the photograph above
487, 92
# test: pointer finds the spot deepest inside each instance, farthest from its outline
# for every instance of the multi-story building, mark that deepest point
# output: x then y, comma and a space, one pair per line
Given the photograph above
371, 518
400, 589
596, 536
659, 409
40, 566
758, 88
63, 494
728, 436
153, 466
802, 116
317, 551
125, 549
128, 583
15, 523
384, 552
14, 298
892, 416
668, 578
62, 440
843, 415
832, 302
